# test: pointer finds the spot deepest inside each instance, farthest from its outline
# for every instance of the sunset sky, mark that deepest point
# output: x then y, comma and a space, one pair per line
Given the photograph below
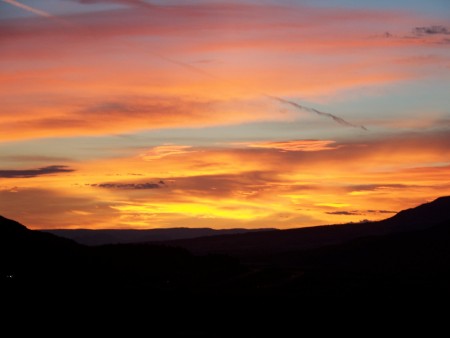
223, 114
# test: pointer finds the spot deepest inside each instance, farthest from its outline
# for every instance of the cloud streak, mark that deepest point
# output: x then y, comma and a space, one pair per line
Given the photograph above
130, 186
294, 145
159, 152
28, 173
431, 30
344, 213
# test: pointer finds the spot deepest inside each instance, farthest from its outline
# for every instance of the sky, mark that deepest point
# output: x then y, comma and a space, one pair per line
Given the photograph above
222, 114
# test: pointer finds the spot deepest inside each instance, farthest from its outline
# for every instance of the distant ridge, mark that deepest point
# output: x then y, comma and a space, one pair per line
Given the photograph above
421, 217
233, 241
125, 236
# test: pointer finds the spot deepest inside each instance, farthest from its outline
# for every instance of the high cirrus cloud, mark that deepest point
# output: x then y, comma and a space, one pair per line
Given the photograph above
28, 173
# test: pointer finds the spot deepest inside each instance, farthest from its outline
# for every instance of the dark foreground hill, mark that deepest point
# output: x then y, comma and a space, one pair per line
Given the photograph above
178, 294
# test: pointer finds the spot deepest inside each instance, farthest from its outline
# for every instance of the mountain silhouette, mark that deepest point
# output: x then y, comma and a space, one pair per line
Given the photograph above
27, 255
16, 240
421, 217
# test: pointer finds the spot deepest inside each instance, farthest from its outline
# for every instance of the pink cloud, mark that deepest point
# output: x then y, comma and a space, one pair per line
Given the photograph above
159, 152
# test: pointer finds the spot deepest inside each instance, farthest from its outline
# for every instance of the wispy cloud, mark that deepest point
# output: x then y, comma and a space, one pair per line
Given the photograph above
431, 30
359, 212
28, 173
130, 186
344, 213
33, 158
164, 151
374, 187
295, 145
382, 211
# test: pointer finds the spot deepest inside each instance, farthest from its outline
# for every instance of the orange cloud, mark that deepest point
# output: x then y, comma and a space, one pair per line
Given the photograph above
296, 145
244, 186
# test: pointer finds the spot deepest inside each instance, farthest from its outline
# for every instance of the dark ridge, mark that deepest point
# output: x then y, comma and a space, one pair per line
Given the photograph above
9, 227
429, 213
121, 236
423, 216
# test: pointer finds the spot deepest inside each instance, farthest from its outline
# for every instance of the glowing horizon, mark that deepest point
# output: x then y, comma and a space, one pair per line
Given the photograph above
280, 114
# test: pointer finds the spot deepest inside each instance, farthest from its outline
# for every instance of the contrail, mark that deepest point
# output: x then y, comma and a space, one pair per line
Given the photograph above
337, 119
37, 12
28, 8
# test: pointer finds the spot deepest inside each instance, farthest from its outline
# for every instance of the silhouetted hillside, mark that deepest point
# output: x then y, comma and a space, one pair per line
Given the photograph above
16, 240
424, 216
30, 255
112, 236
404, 263
46, 261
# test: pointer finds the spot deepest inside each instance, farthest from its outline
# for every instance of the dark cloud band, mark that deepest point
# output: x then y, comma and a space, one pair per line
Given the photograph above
27, 173
130, 186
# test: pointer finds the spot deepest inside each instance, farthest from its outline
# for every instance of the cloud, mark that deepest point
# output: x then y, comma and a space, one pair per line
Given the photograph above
139, 3
382, 211
431, 30
295, 145
359, 213
127, 114
159, 152
374, 187
28, 173
345, 213
130, 186
33, 158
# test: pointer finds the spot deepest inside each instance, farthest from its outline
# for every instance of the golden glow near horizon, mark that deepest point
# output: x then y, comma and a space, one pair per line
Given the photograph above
123, 115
